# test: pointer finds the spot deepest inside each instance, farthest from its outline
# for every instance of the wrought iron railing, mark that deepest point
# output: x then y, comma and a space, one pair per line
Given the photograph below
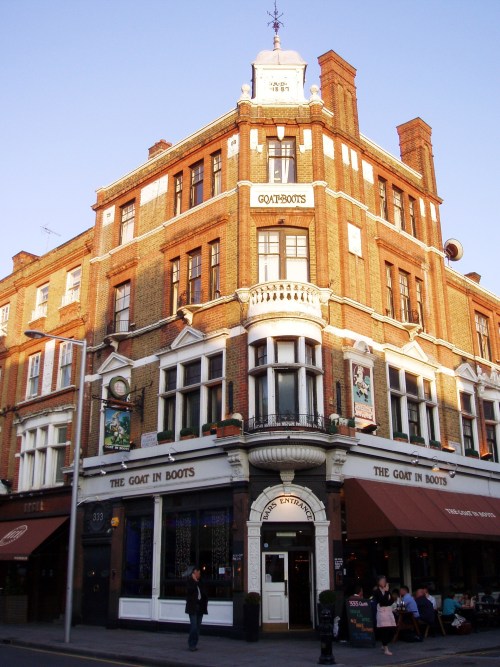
287, 421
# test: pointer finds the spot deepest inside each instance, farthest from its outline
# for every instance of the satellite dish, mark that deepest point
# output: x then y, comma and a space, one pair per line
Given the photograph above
453, 249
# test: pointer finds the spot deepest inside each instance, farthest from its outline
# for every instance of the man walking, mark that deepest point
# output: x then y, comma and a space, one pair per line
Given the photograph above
196, 605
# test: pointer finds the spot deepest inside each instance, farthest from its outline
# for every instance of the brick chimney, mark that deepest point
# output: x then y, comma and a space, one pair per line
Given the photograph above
416, 150
338, 91
476, 277
22, 258
158, 148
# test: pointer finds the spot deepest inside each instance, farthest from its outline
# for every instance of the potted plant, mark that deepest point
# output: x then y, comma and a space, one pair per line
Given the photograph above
417, 440
400, 436
251, 616
188, 432
227, 427
332, 428
347, 427
165, 436
435, 444
472, 453
209, 429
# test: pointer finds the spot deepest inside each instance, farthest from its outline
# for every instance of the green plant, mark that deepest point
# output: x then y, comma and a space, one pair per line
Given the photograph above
400, 434
435, 444
252, 598
332, 428
229, 422
188, 430
165, 435
327, 597
207, 427
417, 439
351, 422
473, 453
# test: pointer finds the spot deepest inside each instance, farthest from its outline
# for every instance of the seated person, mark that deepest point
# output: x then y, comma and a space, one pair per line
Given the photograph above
430, 597
468, 600
408, 600
450, 607
427, 615
487, 598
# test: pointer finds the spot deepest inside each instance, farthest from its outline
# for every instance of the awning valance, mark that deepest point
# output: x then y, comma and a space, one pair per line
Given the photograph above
18, 539
376, 509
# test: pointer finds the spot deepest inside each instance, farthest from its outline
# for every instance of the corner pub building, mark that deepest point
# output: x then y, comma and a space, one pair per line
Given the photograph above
309, 388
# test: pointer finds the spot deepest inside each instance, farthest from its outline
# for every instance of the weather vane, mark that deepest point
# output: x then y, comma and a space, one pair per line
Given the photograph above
276, 23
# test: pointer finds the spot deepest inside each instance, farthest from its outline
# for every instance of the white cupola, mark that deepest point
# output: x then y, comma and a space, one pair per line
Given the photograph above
278, 76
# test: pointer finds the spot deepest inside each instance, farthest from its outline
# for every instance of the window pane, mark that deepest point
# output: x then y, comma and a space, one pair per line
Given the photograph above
214, 407
261, 354
169, 414
192, 373
466, 402
59, 455
396, 414
215, 367
285, 351
411, 384
394, 378
261, 397
191, 415
297, 269
286, 393
489, 412
138, 557
413, 418
170, 379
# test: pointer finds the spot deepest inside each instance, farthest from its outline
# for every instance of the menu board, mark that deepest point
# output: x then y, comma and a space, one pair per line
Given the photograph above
360, 622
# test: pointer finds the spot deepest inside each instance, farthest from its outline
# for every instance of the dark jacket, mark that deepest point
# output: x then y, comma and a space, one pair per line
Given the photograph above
383, 598
425, 609
193, 604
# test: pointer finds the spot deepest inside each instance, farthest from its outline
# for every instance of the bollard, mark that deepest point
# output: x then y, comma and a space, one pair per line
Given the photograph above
326, 638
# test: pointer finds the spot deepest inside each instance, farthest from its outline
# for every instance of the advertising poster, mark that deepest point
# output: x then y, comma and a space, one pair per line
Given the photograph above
116, 430
362, 393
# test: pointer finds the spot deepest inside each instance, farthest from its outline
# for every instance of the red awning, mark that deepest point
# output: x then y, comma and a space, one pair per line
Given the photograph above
375, 509
18, 539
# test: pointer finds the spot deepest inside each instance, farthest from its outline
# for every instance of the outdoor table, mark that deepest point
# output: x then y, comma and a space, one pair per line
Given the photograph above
405, 620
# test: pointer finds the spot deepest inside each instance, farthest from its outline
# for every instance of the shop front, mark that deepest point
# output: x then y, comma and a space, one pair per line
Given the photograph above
33, 556
446, 539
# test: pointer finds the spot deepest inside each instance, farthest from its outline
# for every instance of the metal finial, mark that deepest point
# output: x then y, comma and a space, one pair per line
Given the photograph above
276, 23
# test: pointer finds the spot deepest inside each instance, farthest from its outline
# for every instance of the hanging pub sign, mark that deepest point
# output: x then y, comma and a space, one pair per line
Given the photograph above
362, 394
116, 430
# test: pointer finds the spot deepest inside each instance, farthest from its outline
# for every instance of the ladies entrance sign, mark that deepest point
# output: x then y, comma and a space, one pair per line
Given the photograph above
287, 508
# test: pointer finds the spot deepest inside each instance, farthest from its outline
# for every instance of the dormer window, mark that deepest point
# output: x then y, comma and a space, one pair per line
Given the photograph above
281, 161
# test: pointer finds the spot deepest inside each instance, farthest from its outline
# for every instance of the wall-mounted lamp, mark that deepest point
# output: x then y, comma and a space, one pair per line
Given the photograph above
415, 459
124, 465
170, 458
435, 467
453, 472
103, 472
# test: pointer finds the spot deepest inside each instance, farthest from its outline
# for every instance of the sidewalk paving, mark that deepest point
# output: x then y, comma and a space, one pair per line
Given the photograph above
169, 649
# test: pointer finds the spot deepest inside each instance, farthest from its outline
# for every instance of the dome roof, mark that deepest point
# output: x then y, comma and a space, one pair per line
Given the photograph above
278, 57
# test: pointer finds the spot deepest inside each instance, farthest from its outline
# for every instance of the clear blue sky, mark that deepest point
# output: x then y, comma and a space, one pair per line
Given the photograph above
88, 85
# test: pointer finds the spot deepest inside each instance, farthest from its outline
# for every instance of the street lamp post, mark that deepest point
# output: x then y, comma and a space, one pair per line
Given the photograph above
31, 333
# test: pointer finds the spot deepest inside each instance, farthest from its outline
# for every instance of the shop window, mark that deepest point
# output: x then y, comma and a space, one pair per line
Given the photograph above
196, 192
65, 364
281, 156
42, 301
122, 307
413, 405
73, 282
283, 254
483, 336
201, 536
194, 277
178, 194
214, 270
33, 375
4, 318
216, 174
127, 222
382, 195
175, 267
138, 556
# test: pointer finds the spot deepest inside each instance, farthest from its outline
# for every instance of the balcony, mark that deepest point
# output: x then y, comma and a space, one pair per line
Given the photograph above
286, 297
287, 422
40, 311
71, 296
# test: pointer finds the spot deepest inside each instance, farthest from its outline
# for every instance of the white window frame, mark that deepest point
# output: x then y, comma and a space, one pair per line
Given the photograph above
42, 301
127, 222
73, 283
4, 318
40, 444
34, 373
65, 364
468, 388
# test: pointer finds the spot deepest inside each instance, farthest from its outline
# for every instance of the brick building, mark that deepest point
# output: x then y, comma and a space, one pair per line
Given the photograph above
287, 381
48, 293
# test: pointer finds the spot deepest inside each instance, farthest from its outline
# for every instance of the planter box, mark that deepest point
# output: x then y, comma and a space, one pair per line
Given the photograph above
226, 431
401, 439
188, 437
251, 622
14, 609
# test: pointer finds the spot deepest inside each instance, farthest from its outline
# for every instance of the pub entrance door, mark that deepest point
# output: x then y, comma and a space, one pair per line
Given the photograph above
96, 575
286, 590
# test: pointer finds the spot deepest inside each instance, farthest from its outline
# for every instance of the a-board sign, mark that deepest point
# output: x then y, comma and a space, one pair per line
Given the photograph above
360, 622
